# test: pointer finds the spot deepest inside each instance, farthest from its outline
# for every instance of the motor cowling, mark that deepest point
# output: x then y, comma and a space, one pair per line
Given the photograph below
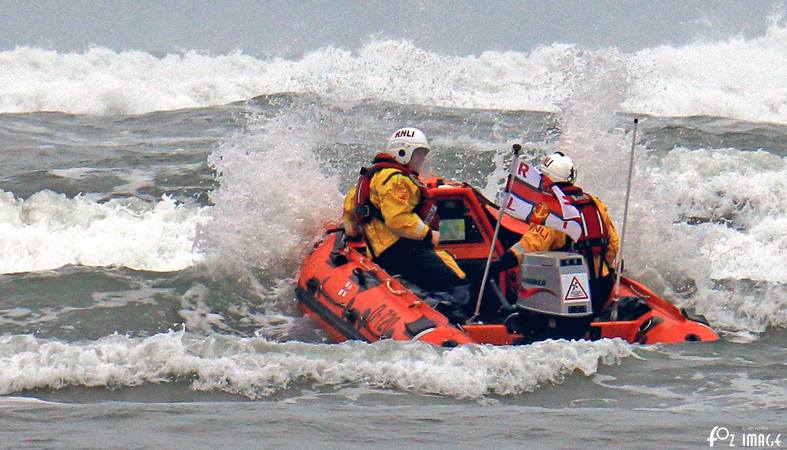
555, 284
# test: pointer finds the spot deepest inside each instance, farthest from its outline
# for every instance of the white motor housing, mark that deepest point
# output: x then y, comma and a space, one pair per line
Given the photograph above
555, 283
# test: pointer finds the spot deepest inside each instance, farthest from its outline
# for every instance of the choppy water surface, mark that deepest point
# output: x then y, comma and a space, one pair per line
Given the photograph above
148, 254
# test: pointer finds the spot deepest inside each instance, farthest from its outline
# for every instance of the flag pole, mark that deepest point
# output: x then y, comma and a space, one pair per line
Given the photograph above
517, 148
619, 265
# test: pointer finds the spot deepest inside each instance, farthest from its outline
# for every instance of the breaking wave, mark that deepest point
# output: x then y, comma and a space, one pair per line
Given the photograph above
711, 223
49, 230
737, 78
257, 368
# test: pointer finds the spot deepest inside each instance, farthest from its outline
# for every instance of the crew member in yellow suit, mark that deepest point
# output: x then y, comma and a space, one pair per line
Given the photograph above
599, 247
396, 217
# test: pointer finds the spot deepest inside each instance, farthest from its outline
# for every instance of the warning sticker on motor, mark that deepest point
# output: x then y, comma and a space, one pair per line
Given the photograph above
576, 291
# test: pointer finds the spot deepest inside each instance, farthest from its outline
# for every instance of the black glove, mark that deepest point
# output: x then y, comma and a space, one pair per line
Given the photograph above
427, 240
507, 261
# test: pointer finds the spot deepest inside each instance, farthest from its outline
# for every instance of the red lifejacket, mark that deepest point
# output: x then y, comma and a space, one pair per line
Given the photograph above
594, 240
364, 210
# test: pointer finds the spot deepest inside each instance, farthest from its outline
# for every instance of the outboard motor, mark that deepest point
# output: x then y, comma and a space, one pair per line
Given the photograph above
555, 283
554, 296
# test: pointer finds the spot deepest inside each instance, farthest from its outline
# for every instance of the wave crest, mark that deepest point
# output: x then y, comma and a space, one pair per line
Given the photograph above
49, 230
736, 78
257, 368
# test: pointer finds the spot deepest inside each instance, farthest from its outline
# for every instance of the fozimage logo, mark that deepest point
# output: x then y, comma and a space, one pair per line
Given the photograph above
759, 438
719, 434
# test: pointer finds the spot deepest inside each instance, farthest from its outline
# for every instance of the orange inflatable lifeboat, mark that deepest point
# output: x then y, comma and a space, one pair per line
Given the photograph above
351, 297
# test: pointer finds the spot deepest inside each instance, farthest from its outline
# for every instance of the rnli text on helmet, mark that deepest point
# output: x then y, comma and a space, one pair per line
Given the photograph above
404, 133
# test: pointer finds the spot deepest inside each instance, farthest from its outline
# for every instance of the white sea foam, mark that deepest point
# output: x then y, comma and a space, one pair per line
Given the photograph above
736, 259
256, 368
49, 230
738, 78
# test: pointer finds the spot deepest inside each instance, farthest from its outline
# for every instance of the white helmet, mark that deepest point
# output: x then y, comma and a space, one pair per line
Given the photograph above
404, 142
559, 168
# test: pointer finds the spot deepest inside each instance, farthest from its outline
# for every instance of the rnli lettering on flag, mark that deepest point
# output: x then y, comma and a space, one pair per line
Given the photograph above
535, 199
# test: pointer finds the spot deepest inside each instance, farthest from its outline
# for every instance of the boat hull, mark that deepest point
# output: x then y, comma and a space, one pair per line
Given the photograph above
352, 298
